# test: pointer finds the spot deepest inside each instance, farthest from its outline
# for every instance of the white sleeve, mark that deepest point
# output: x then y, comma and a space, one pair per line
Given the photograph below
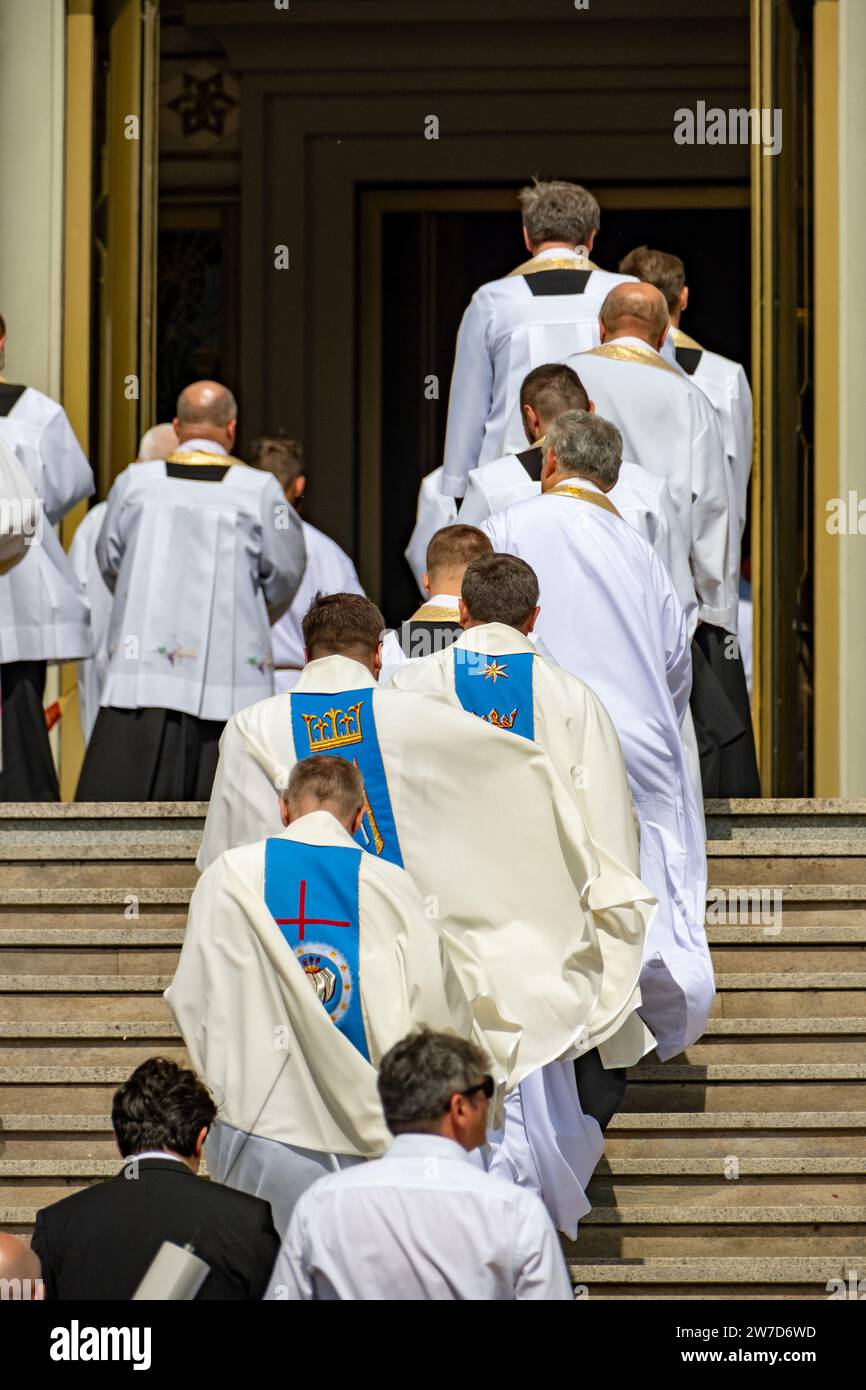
283, 556
475, 506
67, 477
670, 547
710, 517
434, 511
291, 1281
677, 642
540, 1270
471, 396
111, 543
496, 528
741, 413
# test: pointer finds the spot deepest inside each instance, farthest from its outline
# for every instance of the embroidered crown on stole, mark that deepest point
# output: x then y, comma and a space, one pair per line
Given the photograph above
335, 728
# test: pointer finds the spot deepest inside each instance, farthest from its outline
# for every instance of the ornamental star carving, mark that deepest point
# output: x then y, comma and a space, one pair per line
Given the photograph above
203, 104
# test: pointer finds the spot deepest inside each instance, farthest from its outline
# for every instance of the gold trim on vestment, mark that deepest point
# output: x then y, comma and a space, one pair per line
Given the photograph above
434, 613
552, 263
202, 457
682, 339
596, 498
622, 353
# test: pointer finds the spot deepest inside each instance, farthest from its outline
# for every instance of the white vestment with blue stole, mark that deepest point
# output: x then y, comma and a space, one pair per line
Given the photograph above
304, 960
609, 614
493, 841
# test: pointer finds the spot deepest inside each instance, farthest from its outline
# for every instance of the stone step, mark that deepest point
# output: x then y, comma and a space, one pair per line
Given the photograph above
731, 1120
70, 1008
766, 1027
725, 1202
729, 869
758, 1050
101, 873
84, 984
119, 1054
738, 1166
716, 1146
750, 1277
69, 937
754, 1071
791, 979
789, 1002
86, 1030
642, 1237
758, 1096
67, 964
829, 932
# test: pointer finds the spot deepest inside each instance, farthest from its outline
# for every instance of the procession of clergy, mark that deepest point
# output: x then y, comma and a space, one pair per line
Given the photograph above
488, 822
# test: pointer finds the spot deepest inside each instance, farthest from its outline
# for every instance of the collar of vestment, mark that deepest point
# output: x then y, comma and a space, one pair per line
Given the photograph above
426, 1146
562, 260
328, 675
202, 452
583, 494
682, 339
632, 350
496, 639
318, 828
439, 608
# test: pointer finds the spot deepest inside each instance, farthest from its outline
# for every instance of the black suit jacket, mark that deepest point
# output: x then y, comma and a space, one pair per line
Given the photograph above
98, 1243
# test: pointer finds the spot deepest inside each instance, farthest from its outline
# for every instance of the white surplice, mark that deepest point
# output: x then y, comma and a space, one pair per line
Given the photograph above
43, 611
510, 326
670, 428
512, 895
434, 511
198, 570
423, 1223
609, 614
328, 571
91, 672
258, 1033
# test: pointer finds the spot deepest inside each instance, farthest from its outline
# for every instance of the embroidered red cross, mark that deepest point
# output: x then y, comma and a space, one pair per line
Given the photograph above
302, 921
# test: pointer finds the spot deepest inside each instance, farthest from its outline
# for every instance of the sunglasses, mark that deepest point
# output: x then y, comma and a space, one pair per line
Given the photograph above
487, 1086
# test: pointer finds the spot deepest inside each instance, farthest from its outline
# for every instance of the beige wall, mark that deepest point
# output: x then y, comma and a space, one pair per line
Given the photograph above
31, 209
852, 399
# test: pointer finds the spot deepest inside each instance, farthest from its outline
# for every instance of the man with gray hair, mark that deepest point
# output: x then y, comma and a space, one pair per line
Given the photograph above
542, 311
304, 960
424, 1222
202, 554
610, 615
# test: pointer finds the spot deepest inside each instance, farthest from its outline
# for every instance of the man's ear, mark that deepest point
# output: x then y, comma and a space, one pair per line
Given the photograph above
590, 409
463, 612
377, 660
533, 619
175, 424
548, 468
232, 430
425, 583
590, 240
356, 823
299, 487
527, 243
664, 335
684, 298
602, 331
284, 813
199, 1143
307, 657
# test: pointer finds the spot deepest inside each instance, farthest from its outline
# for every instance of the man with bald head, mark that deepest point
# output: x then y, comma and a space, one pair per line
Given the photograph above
20, 1271
202, 554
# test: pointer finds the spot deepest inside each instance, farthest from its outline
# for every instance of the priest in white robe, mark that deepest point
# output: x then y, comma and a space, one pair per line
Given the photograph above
43, 612
609, 614
155, 443
442, 802
542, 311
202, 553
328, 570
304, 960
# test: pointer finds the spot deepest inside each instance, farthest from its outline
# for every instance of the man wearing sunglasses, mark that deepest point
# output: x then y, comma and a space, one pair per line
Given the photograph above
425, 1221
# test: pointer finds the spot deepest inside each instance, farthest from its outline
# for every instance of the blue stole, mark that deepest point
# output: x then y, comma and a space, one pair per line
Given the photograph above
497, 688
312, 893
344, 725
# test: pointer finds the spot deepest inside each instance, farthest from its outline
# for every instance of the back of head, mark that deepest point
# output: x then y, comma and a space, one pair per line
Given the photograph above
637, 310
552, 389
659, 268
282, 457
418, 1076
205, 410
500, 589
587, 446
343, 625
18, 1263
161, 1106
323, 783
558, 211
450, 550
157, 443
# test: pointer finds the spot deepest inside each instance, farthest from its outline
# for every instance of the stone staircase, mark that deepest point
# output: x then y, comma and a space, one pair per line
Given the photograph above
736, 1170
